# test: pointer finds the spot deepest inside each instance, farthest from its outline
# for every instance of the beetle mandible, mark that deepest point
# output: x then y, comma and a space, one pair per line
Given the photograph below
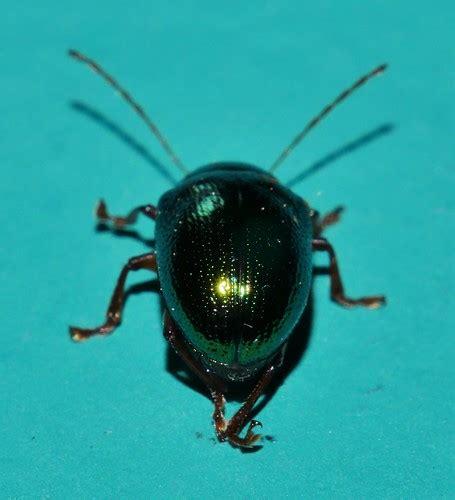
234, 260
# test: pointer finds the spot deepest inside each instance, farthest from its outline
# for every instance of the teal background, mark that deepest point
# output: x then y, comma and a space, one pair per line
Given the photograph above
368, 410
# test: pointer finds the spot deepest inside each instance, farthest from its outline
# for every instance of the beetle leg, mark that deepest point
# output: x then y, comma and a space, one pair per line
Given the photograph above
238, 420
114, 311
331, 218
119, 222
213, 384
336, 285
327, 220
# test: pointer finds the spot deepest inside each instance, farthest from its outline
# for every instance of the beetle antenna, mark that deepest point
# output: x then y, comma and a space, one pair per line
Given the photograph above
137, 108
315, 121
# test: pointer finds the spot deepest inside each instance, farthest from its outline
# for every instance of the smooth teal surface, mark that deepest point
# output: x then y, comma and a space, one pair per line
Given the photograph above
368, 411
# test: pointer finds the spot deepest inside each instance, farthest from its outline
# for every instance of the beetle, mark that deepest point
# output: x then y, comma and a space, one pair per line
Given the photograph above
233, 257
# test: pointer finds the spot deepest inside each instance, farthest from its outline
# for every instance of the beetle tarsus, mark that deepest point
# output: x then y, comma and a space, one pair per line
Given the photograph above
114, 311
336, 285
77, 334
81, 334
249, 441
329, 219
119, 222
373, 302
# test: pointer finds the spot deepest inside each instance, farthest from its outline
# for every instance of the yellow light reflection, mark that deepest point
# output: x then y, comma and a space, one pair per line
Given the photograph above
223, 287
229, 287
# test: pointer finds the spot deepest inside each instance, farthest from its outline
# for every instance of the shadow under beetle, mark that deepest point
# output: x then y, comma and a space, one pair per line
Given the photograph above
234, 261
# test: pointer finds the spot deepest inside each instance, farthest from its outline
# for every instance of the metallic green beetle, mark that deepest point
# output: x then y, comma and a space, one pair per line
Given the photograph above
234, 261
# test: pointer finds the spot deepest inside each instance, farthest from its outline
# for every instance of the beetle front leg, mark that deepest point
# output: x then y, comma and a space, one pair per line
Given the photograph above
118, 221
213, 384
336, 285
320, 223
114, 311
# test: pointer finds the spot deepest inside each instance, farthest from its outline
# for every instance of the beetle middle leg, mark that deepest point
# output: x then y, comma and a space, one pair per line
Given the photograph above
114, 311
336, 285
118, 221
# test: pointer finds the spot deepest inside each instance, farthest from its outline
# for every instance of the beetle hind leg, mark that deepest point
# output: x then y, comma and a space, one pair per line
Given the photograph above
226, 430
336, 285
213, 384
237, 422
114, 311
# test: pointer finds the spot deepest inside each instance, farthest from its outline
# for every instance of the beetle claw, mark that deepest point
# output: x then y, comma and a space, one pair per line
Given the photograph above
376, 302
249, 441
101, 210
77, 334
373, 302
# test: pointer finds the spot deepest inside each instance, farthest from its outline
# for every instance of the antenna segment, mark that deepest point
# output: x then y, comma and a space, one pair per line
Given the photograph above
315, 121
137, 108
